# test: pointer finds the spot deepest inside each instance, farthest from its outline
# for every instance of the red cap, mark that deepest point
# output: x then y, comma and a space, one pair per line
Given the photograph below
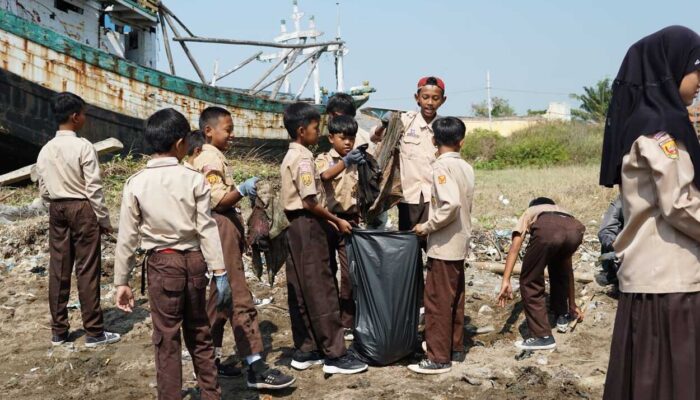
424, 81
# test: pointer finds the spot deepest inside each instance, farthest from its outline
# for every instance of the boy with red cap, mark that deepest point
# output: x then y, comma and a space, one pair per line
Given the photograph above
417, 152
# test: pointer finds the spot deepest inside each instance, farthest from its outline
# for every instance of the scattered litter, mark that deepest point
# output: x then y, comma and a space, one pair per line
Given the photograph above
74, 305
34, 369
472, 381
262, 302
542, 360
503, 199
485, 310
38, 270
524, 354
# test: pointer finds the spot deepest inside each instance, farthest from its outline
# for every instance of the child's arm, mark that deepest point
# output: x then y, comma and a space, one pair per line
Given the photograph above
209, 240
446, 194
311, 205
506, 292
354, 157
574, 311
93, 186
125, 251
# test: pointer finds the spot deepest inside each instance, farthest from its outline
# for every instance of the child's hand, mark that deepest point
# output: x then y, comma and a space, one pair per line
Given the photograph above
124, 298
505, 294
354, 157
344, 227
576, 313
420, 230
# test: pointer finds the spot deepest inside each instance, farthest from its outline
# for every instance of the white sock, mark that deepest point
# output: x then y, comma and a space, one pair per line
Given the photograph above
252, 358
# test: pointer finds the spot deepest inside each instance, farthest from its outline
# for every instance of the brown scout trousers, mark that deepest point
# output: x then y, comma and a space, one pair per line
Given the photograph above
74, 238
177, 287
243, 316
554, 238
444, 309
336, 242
311, 292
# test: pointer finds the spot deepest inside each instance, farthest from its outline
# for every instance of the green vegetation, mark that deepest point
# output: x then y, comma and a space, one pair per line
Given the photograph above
500, 107
594, 102
541, 145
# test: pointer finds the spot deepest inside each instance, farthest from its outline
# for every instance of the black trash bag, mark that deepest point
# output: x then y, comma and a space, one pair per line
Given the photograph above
387, 285
368, 184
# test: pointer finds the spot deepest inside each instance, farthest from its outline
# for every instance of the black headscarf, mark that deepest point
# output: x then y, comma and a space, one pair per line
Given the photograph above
646, 100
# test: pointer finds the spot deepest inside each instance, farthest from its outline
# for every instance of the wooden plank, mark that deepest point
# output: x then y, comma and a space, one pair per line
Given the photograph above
107, 146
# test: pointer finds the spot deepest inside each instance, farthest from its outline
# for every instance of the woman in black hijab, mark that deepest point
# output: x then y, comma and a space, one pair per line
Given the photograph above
652, 152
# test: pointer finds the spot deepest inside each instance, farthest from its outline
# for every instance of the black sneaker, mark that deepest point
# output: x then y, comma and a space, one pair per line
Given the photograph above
261, 376
346, 364
57, 340
226, 370
458, 356
303, 360
563, 323
105, 338
430, 368
543, 343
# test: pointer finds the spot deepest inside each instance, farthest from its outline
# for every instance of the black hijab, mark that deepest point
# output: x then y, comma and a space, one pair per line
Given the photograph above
646, 100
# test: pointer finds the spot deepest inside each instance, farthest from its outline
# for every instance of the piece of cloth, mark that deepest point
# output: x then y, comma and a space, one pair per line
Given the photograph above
243, 316
645, 98
658, 246
74, 240
444, 309
417, 152
530, 216
213, 164
299, 178
311, 292
554, 239
177, 287
654, 352
612, 224
341, 191
336, 243
165, 206
68, 168
449, 222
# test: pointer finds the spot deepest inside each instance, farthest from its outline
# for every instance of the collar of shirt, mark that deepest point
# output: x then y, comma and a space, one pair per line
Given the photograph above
214, 149
424, 125
65, 133
451, 154
302, 148
162, 162
334, 154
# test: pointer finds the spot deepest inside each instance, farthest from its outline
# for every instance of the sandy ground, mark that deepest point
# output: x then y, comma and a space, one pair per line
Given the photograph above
31, 369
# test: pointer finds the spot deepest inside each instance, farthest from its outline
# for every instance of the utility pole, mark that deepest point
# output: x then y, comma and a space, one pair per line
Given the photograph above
489, 105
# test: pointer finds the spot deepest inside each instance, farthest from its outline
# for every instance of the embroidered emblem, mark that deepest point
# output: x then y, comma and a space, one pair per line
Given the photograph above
321, 164
305, 166
213, 179
442, 179
307, 179
670, 148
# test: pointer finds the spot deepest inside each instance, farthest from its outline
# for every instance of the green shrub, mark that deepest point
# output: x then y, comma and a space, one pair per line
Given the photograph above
541, 145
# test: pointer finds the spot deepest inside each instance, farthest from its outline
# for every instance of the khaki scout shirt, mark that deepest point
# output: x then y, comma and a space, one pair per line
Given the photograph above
449, 223
68, 169
299, 177
166, 206
660, 243
341, 191
417, 153
213, 164
531, 214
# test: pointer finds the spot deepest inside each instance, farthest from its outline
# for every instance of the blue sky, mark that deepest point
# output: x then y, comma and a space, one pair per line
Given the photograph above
537, 51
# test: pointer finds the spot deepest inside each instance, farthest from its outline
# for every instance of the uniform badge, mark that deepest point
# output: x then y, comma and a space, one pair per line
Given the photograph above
307, 179
321, 164
213, 179
669, 148
442, 179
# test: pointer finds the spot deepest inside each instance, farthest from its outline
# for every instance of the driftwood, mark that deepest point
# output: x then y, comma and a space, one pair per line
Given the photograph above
584, 303
498, 269
107, 146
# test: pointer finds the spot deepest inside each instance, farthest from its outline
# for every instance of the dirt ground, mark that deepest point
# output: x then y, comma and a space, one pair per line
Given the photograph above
32, 369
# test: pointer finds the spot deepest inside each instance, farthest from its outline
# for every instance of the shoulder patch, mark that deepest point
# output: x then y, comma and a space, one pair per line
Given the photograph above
306, 166
442, 179
321, 163
214, 178
669, 147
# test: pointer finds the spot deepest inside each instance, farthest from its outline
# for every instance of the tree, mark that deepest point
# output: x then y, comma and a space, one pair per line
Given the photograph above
500, 108
594, 102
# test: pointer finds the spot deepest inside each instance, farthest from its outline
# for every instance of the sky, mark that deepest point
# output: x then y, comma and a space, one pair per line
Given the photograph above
536, 51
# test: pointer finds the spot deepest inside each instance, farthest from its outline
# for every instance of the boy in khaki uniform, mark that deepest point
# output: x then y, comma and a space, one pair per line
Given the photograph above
165, 211
449, 231
69, 180
338, 172
217, 126
343, 104
312, 296
417, 152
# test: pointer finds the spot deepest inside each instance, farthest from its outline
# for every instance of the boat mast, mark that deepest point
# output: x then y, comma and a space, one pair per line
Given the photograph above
339, 73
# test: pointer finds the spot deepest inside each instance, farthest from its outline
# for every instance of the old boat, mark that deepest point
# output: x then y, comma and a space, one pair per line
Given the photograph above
105, 51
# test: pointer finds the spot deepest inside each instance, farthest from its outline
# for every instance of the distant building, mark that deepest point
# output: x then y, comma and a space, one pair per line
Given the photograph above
558, 112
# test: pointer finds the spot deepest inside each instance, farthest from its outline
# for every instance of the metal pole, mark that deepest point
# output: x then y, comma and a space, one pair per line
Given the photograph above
290, 62
239, 66
166, 43
167, 11
306, 79
339, 72
185, 49
290, 70
488, 95
270, 71
254, 42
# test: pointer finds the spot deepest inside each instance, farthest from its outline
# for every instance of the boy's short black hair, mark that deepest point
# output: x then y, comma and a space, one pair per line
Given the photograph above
341, 103
195, 140
299, 115
210, 116
448, 131
164, 128
540, 201
65, 104
343, 124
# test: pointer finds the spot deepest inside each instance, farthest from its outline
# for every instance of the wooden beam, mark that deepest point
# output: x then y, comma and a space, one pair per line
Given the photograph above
289, 71
166, 43
498, 269
185, 49
237, 67
255, 42
107, 146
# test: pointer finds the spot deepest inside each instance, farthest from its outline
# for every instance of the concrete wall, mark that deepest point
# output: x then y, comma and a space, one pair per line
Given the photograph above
504, 126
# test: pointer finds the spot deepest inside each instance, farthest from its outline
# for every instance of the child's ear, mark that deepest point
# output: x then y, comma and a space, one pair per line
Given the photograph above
300, 132
415, 96
330, 138
461, 143
207, 130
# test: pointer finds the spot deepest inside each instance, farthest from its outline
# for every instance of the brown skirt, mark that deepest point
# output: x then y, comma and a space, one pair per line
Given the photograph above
655, 351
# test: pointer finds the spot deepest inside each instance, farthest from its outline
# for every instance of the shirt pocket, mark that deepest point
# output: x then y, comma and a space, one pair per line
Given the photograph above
171, 300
